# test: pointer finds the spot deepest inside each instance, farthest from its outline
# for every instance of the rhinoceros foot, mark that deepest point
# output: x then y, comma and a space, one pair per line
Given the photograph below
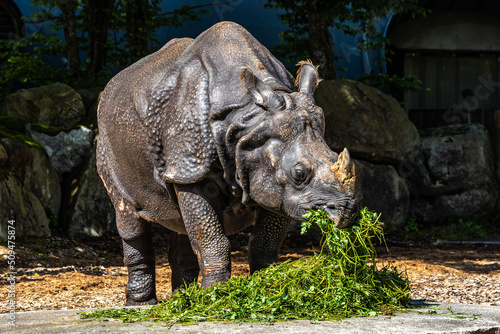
132, 302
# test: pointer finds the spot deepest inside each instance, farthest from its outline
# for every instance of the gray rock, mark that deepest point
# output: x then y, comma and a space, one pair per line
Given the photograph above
90, 210
495, 137
56, 105
454, 175
66, 150
3, 155
373, 126
468, 203
381, 189
90, 95
91, 120
32, 165
23, 207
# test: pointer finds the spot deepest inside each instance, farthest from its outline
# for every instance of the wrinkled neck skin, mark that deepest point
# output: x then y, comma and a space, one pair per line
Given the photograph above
263, 150
228, 128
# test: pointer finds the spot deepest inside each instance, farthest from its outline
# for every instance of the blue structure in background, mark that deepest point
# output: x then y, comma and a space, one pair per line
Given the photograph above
260, 22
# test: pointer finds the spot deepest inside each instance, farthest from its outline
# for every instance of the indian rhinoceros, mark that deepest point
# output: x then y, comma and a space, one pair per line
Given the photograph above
207, 137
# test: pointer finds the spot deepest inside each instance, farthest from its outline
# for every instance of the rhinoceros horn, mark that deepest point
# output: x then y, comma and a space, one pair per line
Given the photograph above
343, 168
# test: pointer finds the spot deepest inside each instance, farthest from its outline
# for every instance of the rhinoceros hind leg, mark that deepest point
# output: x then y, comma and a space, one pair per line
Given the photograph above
183, 261
266, 239
138, 256
202, 215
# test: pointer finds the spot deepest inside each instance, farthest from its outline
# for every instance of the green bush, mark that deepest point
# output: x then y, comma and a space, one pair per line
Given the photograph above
393, 84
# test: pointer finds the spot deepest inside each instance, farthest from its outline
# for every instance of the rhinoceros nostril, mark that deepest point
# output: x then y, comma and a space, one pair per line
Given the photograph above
332, 206
341, 212
331, 210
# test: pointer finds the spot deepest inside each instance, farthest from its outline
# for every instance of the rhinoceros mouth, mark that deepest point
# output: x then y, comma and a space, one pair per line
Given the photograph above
342, 214
337, 217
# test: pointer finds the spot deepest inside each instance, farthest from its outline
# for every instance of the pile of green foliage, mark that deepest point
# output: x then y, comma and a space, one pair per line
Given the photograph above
340, 281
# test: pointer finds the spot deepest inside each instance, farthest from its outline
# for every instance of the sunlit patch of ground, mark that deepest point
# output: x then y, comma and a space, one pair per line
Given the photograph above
71, 274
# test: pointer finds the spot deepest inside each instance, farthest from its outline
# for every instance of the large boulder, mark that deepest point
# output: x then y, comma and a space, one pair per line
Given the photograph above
381, 189
373, 126
56, 105
454, 175
3, 155
32, 166
22, 206
89, 210
495, 134
66, 150
90, 96
91, 104
19, 204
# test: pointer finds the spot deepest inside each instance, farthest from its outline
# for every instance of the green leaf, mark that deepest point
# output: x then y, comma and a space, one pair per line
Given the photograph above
340, 281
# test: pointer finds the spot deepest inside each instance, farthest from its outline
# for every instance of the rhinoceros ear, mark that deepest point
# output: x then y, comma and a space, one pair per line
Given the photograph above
307, 77
261, 93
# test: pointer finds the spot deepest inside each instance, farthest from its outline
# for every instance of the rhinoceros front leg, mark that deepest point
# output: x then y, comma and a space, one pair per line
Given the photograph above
138, 256
183, 261
266, 239
202, 215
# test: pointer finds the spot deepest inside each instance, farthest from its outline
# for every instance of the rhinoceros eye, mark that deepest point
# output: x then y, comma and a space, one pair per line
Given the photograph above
299, 173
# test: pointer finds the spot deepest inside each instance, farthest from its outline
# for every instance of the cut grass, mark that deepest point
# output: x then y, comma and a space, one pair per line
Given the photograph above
340, 281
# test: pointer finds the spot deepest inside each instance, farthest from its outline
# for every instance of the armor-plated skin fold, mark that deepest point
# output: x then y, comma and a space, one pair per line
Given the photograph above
207, 137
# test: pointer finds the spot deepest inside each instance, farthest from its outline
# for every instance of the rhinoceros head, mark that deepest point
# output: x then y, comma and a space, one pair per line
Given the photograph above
282, 160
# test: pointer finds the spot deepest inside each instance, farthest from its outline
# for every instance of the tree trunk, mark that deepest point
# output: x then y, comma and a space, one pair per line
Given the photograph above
137, 34
99, 19
320, 45
68, 9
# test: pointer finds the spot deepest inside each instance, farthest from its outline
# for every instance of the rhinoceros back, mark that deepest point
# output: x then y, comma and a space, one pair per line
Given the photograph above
123, 160
165, 113
131, 88
203, 85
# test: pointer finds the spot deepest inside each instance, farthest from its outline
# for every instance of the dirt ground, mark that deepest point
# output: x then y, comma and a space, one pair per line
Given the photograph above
70, 273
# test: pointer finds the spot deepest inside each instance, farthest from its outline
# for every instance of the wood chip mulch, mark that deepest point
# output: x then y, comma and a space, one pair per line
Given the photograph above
59, 273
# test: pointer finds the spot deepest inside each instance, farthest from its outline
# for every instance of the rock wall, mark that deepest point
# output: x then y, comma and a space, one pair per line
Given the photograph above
382, 189
373, 126
495, 138
32, 165
67, 149
54, 105
447, 173
24, 171
38, 169
376, 131
89, 208
454, 174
